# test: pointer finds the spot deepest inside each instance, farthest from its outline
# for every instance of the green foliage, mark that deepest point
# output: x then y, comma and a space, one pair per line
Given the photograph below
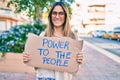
14, 39
33, 7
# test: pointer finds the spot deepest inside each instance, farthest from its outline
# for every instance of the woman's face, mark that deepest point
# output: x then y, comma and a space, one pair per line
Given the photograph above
58, 16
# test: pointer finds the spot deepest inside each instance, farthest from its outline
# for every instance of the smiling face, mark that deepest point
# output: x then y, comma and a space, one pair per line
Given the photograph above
58, 17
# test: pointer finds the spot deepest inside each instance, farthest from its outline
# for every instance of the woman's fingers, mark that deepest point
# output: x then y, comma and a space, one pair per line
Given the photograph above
80, 57
26, 57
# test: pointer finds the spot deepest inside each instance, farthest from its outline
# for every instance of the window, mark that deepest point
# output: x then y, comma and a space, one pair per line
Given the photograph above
2, 25
2, 11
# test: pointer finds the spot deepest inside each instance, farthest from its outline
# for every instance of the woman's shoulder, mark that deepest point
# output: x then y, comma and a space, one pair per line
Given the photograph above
74, 36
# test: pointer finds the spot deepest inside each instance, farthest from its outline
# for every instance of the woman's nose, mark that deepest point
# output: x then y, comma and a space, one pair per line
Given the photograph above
57, 15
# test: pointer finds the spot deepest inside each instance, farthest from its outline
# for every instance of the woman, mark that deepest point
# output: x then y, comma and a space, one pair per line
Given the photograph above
58, 26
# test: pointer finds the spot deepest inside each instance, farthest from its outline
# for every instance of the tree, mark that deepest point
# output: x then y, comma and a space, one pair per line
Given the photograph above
34, 8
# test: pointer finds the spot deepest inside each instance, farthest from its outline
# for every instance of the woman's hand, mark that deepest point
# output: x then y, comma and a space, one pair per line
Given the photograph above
26, 57
79, 58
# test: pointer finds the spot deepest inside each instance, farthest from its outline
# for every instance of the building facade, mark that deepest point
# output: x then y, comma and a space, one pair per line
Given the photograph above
8, 18
98, 14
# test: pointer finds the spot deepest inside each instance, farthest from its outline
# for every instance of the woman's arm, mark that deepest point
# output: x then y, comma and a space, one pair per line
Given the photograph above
79, 58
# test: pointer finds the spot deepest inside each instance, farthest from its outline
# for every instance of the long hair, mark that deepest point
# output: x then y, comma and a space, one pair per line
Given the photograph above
66, 28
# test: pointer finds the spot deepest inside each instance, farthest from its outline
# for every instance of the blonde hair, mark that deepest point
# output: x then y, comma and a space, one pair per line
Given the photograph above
67, 32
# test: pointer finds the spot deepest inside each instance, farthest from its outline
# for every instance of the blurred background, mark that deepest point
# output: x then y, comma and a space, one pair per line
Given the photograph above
97, 22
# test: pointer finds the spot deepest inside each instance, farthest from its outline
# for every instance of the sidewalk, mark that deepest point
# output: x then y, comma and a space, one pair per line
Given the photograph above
96, 66
13, 68
16, 76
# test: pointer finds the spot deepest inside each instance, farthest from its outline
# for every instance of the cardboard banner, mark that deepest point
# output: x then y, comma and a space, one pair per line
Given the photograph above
53, 53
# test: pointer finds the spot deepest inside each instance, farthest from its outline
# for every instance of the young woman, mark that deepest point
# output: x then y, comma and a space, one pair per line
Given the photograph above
58, 26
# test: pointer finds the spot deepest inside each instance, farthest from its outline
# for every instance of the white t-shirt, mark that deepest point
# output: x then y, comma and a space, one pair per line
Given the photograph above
44, 73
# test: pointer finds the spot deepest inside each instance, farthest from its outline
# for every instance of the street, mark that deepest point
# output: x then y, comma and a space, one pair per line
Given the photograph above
97, 66
112, 46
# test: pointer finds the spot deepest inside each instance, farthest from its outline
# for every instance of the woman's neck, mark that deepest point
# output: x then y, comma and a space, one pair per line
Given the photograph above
58, 32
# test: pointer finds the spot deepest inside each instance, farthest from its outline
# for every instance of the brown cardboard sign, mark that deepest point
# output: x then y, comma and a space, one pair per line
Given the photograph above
53, 53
